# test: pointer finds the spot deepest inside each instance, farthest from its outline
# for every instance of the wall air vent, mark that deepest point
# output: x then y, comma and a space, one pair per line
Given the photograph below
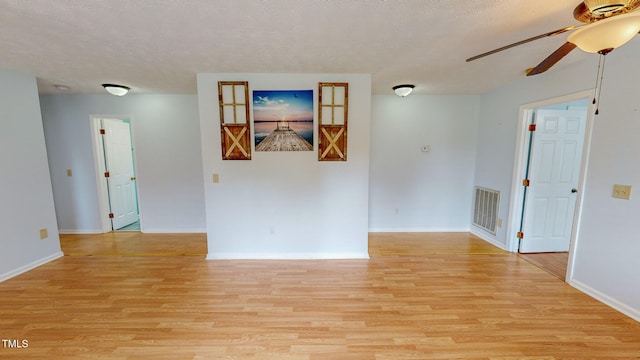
485, 209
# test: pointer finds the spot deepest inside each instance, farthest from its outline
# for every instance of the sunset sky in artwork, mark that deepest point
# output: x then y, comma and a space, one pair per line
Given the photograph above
283, 105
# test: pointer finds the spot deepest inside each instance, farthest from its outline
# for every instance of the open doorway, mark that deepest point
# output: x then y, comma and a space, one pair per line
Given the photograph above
116, 175
549, 173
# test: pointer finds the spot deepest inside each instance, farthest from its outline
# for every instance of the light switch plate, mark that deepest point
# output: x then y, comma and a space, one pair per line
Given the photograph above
216, 178
622, 191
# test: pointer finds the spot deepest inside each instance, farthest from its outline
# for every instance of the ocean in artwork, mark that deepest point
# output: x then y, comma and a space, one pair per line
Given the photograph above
304, 128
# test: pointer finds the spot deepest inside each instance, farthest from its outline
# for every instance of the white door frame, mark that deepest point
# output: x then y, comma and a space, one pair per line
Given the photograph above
99, 165
520, 167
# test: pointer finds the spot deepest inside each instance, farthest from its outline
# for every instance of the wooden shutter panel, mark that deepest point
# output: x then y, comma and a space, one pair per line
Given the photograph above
235, 125
333, 111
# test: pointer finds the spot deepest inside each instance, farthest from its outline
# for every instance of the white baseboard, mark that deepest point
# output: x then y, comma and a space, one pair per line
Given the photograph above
606, 299
79, 231
416, 229
286, 256
13, 273
487, 239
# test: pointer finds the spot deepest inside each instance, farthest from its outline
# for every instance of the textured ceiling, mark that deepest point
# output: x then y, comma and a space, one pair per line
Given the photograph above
158, 46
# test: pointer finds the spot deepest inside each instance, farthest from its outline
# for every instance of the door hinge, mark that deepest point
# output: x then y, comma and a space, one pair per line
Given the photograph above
103, 131
106, 174
520, 235
111, 216
526, 182
532, 127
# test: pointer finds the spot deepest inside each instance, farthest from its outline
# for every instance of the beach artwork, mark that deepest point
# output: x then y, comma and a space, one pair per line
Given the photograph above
283, 120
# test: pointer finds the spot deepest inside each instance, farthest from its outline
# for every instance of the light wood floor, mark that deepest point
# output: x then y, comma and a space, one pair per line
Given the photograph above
429, 243
134, 243
553, 263
436, 304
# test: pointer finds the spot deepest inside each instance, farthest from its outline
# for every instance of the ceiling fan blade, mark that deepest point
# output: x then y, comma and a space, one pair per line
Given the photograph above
552, 33
552, 59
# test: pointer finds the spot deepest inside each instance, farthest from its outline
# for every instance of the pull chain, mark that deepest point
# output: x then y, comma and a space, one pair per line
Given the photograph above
597, 86
600, 78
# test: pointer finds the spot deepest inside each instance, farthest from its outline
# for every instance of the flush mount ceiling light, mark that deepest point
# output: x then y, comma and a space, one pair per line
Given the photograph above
62, 87
117, 90
403, 90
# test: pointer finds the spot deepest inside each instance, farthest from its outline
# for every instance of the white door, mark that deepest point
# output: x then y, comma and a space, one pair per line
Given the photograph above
554, 172
119, 164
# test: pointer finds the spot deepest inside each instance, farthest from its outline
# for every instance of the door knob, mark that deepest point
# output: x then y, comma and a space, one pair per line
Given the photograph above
574, 190
133, 178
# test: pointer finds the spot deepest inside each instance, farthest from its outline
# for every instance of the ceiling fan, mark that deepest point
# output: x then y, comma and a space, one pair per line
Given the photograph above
609, 24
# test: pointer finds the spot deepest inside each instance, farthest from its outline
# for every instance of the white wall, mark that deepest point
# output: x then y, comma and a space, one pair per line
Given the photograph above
608, 234
411, 190
166, 137
607, 245
26, 200
499, 116
287, 204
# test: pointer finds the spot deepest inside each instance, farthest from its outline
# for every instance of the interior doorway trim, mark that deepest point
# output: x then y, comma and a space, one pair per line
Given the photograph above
99, 165
520, 164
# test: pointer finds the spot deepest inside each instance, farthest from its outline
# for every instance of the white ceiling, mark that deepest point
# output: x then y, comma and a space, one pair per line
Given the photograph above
158, 46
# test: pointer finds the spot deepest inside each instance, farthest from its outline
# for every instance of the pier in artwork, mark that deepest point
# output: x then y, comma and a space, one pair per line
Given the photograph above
283, 138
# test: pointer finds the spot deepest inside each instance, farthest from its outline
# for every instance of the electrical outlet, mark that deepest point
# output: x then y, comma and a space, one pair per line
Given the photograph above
622, 191
216, 178
69, 172
44, 234
500, 223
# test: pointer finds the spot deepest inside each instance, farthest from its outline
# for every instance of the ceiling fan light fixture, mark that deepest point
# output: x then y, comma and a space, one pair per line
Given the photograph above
117, 90
606, 7
403, 90
605, 34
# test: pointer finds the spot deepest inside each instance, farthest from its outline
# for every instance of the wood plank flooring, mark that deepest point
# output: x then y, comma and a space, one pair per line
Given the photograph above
554, 263
429, 243
133, 243
440, 305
